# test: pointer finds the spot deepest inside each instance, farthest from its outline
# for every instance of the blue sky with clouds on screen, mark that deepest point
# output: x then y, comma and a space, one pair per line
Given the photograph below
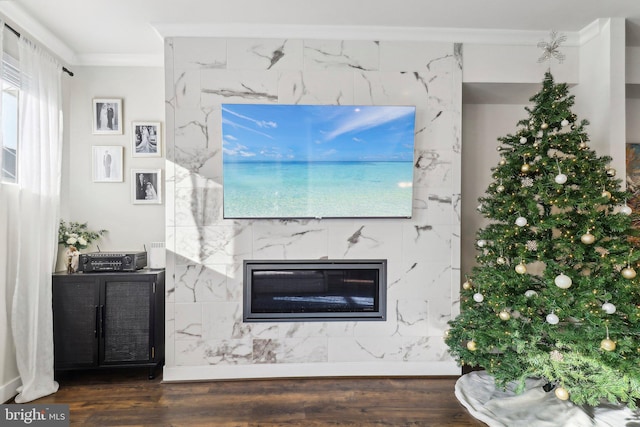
275, 132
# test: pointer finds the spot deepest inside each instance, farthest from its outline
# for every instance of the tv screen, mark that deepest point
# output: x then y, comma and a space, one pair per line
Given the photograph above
317, 161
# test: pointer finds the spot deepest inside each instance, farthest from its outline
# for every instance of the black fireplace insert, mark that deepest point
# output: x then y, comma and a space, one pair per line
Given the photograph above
307, 290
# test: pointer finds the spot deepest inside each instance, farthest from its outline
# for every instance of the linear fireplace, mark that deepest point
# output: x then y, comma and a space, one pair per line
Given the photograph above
314, 290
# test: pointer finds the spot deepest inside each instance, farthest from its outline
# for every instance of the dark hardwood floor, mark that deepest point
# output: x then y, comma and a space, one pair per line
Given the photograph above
127, 398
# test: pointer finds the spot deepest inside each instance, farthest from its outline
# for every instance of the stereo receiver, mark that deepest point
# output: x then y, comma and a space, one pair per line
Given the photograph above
112, 261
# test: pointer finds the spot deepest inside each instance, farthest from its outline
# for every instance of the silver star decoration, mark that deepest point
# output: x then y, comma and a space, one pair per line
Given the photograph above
551, 48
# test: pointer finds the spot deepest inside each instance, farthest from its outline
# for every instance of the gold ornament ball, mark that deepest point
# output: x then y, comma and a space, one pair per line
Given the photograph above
501, 260
504, 315
611, 172
503, 161
521, 268
562, 393
471, 345
587, 239
628, 273
583, 145
607, 344
606, 194
500, 188
544, 126
525, 167
466, 285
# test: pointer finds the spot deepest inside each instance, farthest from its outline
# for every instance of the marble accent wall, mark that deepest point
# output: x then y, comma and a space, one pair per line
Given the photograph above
206, 338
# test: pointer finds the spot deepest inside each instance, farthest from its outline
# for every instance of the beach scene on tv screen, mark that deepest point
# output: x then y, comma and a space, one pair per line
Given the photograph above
317, 161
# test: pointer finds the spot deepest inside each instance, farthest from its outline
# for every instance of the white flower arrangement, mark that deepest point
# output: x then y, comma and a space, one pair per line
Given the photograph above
77, 235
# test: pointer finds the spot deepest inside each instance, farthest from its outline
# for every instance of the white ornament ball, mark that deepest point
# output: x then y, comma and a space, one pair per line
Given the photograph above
521, 221
478, 297
501, 260
628, 273
582, 145
625, 210
530, 293
564, 123
482, 243
563, 281
500, 188
521, 268
504, 315
609, 308
552, 319
561, 178
587, 239
561, 393
523, 140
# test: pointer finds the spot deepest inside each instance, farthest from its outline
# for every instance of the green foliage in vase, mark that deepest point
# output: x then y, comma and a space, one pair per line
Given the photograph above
554, 294
77, 234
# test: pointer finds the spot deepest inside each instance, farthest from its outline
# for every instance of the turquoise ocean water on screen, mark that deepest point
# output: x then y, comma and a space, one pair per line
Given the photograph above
317, 189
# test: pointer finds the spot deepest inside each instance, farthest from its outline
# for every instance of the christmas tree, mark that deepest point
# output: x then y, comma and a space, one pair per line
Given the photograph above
554, 294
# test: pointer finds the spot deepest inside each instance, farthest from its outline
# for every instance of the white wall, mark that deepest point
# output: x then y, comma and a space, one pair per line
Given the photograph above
108, 205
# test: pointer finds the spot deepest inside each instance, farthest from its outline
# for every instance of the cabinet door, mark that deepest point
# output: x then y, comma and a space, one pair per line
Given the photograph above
126, 321
75, 321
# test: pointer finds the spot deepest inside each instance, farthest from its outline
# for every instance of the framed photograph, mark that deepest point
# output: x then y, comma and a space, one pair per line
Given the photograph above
107, 116
107, 163
146, 186
146, 139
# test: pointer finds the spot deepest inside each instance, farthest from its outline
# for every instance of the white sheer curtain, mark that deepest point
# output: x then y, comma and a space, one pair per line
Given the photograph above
39, 171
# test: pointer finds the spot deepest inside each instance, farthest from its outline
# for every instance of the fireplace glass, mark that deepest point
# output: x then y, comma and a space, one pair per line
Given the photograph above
314, 290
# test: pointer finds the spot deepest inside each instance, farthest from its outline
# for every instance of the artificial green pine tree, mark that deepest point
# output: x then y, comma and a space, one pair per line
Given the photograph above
554, 294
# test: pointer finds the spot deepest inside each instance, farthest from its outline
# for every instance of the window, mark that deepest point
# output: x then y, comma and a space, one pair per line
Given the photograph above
10, 92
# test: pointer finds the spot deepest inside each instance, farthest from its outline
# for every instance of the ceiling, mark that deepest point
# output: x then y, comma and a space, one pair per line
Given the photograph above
91, 32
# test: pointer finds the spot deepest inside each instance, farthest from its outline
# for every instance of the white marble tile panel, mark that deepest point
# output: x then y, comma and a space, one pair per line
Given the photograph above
200, 283
304, 350
264, 54
366, 239
415, 56
365, 349
199, 52
220, 244
433, 168
334, 87
188, 321
289, 240
238, 86
228, 352
412, 317
416, 349
169, 334
220, 320
198, 128
391, 88
186, 89
341, 54
198, 207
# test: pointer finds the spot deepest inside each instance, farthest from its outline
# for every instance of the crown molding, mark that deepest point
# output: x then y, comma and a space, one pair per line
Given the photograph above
33, 29
120, 60
332, 32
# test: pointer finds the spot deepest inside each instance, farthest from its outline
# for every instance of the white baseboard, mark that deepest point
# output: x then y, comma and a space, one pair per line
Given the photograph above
308, 370
8, 390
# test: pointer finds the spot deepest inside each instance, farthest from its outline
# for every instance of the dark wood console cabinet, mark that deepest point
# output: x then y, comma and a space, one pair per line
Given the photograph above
106, 320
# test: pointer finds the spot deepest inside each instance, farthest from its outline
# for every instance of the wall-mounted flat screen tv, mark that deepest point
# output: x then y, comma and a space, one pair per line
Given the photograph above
317, 161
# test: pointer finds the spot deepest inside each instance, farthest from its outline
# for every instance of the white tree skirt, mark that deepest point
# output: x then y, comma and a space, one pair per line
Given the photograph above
534, 407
